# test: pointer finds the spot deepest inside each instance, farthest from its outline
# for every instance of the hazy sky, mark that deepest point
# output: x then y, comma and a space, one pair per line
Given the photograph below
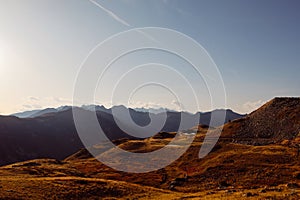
255, 44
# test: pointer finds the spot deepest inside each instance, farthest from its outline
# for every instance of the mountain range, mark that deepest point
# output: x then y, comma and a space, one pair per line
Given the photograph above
51, 133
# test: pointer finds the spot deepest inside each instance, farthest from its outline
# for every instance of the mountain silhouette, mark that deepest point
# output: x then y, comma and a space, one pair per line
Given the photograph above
52, 133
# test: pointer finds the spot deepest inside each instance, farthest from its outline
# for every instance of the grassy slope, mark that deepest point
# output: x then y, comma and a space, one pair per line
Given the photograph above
244, 168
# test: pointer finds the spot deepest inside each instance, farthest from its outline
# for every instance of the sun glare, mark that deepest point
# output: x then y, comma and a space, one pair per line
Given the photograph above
2, 54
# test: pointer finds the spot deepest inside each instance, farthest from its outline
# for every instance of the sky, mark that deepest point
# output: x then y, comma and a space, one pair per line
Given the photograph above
254, 44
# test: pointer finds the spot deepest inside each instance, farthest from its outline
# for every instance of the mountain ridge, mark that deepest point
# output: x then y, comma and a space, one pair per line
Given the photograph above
39, 112
54, 134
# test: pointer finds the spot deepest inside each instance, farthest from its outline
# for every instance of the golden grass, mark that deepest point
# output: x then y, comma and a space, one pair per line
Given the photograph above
251, 172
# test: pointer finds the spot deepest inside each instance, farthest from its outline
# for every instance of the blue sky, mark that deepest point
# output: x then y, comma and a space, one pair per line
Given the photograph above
255, 45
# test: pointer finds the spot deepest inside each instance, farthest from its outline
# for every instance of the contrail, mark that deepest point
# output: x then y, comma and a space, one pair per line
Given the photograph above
120, 20
110, 13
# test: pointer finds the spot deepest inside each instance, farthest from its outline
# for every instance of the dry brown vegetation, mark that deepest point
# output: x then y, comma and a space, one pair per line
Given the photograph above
232, 170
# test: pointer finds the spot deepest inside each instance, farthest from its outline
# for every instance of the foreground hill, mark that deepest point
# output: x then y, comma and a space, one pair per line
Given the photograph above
275, 122
234, 169
230, 171
53, 134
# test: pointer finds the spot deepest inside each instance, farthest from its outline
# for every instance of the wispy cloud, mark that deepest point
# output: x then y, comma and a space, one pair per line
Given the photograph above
33, 98
179, 106
173, 105
251, 106
141, 104
62, 100
31, 103
111, 13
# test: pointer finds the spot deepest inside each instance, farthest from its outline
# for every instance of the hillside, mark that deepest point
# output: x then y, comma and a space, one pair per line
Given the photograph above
251, 160
274, 122
228, 172
52, 134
